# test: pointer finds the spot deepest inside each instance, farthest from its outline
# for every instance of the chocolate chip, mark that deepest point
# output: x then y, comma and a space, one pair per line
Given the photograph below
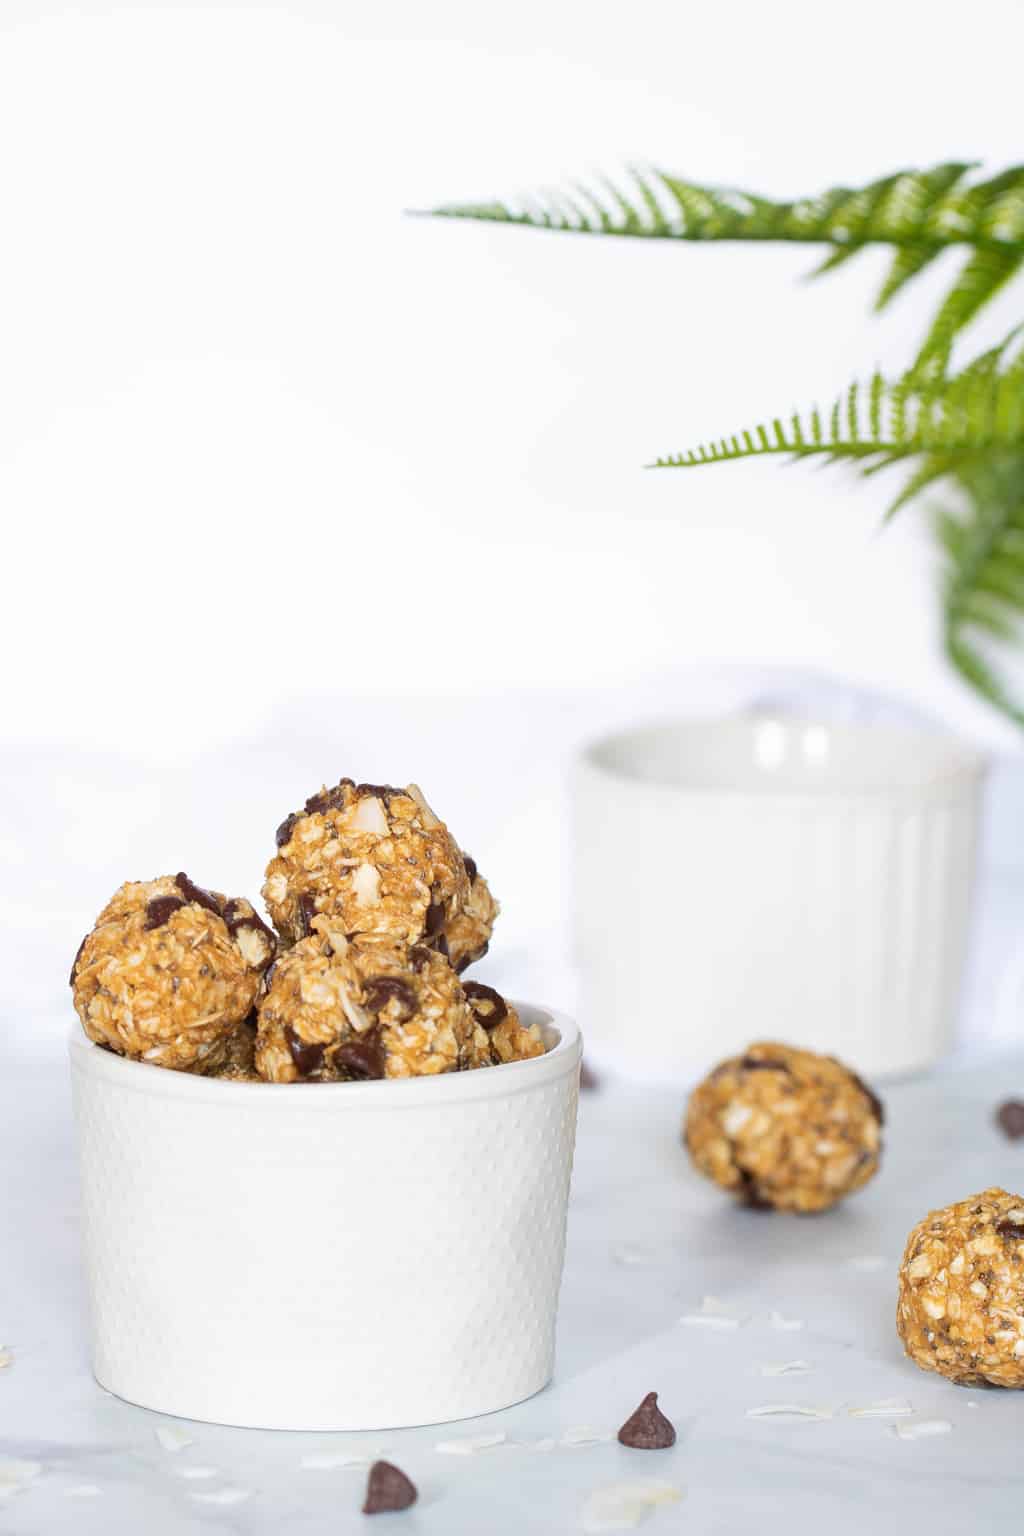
433, 923
307, 1058
419, 956
589, 1080
471, 869
361, 1059
236, 919
441, 946
489, 1006
328, 799
877, 1107
1011, 1229
307, 912
196, 894
284, 832
471, 958
386, 989
159, 910
762, 1064
1010, 1119
648, 1429
387, 1490
750, 1195
382, 791
78, 956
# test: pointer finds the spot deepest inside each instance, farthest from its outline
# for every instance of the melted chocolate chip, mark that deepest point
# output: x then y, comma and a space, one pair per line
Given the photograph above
1010, 1119
328, 799
648, 1429
236, 918
387, 1490
196, 894
307, 1058
489, 1006
471, 958
307, 912
762, 1064
284, 832
362, 1058
471, 869
387, 989
750, 1195
382, 791
159, 910
419, 956
433, 923
877, 1107
1013, 1230
78, 956
441, 946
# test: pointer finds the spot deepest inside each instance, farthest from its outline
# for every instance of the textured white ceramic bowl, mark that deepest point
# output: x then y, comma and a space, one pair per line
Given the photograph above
750, 878
341, 1256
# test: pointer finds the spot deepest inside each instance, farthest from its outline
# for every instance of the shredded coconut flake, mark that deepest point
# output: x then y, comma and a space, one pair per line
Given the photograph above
6, 1357
469, 1445
223, 1496
344, 1456
712, 1313
785, 1324
785, 1368
622, 1506
195, 1474
922, 1429
885, 1408
171, 1438
584, 1434
791, 1411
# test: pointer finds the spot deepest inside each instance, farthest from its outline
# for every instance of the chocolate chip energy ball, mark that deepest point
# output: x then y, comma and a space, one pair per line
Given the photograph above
372, 858
784, 1128
169, 970
501, 1036
961, 1295
336, 1010
468, 933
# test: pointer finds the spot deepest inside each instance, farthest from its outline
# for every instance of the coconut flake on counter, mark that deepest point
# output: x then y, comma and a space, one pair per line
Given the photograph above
622, 1506
470, 1445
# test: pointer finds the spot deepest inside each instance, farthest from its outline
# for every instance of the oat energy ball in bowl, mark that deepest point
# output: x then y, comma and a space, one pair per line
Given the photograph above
372, 857
784, 1128
961, 1291
340, 1010
168, 972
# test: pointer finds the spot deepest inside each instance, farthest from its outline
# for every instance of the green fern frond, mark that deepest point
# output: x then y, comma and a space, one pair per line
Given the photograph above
919, 214
983, 584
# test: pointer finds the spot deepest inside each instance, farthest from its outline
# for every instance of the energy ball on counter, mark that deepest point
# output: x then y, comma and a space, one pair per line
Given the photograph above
336, 1009
501, 1035
372, 858
168, 972
468, 934
784, 1128
961, 1291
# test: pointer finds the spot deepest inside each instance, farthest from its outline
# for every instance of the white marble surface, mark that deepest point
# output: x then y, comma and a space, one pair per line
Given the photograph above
647, 1242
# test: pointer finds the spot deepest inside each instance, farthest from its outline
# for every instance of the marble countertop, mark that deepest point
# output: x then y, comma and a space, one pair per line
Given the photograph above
648, 1242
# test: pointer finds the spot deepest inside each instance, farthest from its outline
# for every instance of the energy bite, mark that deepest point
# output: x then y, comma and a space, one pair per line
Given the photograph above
785, 1129
372, 858
501, 1035
337, 1010
961, 1291
169, 971
468, 933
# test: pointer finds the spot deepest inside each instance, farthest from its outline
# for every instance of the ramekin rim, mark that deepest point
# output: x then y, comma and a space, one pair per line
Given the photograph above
389, 1093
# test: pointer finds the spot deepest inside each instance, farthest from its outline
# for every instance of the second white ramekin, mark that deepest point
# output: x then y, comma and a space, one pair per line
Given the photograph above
344, 1256
753, 878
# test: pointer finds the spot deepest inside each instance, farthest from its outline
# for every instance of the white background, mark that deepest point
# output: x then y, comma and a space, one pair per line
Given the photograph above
294, 485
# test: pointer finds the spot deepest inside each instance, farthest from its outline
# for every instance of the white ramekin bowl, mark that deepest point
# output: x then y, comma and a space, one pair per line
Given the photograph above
342, 1256
759, 877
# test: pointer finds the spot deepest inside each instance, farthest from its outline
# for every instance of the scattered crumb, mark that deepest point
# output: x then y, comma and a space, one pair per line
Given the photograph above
885, 1408
171, 1438
785, 1324
344, 1456
922, 1428
469, 1445
622, 1506
584, 1434
972, 1405
791, 1411
6, 1357
223, 1496
786, 1368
